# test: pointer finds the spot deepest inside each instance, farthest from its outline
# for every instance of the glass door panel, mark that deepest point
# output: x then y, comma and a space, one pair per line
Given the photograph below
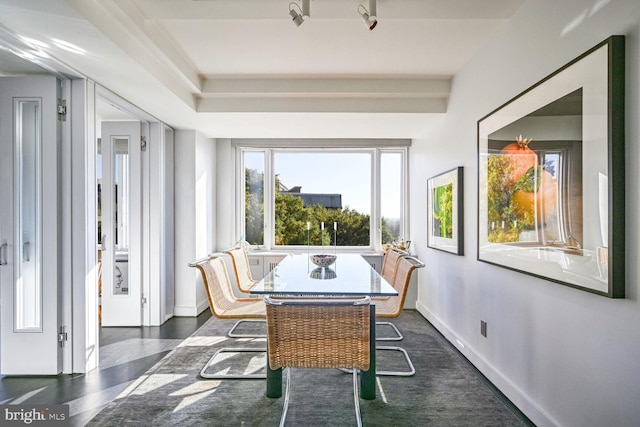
28, 286
121, 208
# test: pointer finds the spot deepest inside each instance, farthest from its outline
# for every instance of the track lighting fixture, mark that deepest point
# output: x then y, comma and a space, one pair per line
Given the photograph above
369, 15
298, 18
302, 13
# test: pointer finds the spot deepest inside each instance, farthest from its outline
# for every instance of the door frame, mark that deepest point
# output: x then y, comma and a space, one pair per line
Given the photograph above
157, 284
156, 214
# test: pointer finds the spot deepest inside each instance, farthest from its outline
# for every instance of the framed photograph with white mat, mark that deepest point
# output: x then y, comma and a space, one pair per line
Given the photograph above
445, 214
551, 176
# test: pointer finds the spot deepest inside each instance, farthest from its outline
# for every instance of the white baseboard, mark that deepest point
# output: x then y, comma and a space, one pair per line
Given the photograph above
517, 396
190, 311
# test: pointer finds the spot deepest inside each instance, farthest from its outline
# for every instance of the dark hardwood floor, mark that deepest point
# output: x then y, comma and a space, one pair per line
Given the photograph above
125, 355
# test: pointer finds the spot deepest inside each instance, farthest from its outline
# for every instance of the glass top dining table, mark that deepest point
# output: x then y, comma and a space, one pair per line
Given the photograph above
349, 275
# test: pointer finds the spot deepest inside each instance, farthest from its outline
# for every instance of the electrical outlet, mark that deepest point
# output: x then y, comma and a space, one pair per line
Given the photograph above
483, 328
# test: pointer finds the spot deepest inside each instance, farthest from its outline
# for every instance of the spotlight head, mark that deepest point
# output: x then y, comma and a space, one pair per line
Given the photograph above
371, 22
296, 17
369, 15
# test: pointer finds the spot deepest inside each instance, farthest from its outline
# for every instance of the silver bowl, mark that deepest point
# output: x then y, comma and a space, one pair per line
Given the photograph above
323, 260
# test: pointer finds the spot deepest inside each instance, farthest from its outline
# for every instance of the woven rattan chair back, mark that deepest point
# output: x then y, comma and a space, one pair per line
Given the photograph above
392, 306
333, 333
222, 301
217, 285
242, 270
390, 264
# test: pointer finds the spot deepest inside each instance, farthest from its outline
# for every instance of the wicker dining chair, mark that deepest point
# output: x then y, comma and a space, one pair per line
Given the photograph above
318, 333
224, 305
242, 270
390, 307
389, 266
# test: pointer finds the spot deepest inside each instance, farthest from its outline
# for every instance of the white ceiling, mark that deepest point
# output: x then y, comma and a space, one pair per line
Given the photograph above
241, 68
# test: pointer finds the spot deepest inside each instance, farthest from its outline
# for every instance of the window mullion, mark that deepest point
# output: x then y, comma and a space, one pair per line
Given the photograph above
241, 200
376, 217
404, 195
269, 200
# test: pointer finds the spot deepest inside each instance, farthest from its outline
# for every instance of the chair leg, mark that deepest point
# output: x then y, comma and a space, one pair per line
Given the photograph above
356, 397
409, 373
396, 338
285, 406
232, 334
203, 373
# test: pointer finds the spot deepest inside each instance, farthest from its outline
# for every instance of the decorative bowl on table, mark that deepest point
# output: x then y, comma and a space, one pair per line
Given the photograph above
323, 260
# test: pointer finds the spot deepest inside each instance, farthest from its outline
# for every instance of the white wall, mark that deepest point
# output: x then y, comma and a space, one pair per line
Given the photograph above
563, 356
195, 193
225, 213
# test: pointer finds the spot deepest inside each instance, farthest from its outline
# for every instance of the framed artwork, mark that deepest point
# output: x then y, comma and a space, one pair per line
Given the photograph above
445, 212
551, 176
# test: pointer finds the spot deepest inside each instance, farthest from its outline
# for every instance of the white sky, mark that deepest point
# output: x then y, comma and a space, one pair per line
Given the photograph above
348, 174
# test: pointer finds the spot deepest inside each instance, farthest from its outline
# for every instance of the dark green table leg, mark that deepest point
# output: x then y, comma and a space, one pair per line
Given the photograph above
274, 380
368, 378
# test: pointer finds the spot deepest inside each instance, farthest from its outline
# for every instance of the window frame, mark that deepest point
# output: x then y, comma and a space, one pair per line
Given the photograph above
375, 227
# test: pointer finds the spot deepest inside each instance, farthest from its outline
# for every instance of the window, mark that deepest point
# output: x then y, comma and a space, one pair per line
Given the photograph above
254, 197
391, 196
351, 198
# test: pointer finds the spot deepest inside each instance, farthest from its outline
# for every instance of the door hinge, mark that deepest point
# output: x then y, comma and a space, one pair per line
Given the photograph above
62, 335
143, 300
62, 110
143, 143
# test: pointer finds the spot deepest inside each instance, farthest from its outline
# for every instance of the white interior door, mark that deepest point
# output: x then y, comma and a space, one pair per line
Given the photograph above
30, 199
121, 228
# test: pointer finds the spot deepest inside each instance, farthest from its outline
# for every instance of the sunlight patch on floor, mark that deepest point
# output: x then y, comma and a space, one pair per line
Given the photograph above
202, 341
148, 383
194, 393
382, 395
25, 396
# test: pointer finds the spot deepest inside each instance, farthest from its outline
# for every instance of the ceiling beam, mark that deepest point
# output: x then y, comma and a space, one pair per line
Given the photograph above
296, 94
327, 87
320, 105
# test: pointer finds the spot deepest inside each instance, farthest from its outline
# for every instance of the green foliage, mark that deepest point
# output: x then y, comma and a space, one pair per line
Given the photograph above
390, 230
291, 220
499, 189
254, 207
499, 197
292, 216
530, 181
443, 209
